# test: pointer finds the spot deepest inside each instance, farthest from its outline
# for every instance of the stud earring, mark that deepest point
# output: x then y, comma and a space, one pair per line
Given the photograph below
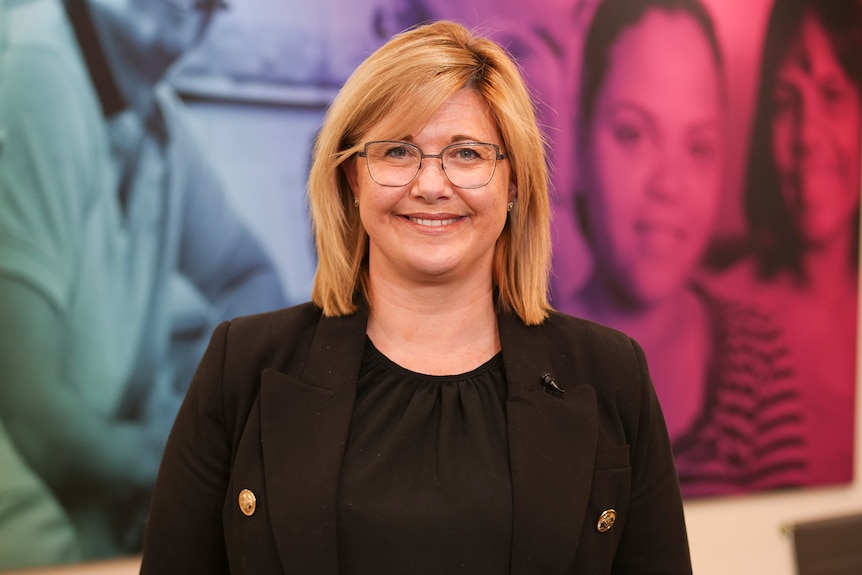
510, 206
355, 202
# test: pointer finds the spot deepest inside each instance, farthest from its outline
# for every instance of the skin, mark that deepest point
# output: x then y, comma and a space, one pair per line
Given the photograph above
652, 173
143, 39
662, 122
816, 150
431, 248
815, 139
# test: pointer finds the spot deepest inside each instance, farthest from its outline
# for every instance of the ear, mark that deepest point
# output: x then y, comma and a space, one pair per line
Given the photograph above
513, 192
350, 172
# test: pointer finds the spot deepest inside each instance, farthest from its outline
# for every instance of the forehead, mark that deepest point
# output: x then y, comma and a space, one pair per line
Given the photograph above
464, 115
811, 51
663, 59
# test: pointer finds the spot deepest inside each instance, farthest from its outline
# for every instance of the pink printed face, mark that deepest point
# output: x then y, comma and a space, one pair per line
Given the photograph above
815, 137
654, 158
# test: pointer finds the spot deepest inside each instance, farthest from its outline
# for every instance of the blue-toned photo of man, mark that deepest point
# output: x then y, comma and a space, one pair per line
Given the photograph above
119, 253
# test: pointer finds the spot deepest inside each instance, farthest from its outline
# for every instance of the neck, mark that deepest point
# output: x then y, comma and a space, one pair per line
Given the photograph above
643, 321
437, 330
828, 268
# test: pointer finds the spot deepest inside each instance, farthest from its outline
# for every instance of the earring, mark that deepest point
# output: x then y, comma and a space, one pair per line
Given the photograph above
510, 206
355, 202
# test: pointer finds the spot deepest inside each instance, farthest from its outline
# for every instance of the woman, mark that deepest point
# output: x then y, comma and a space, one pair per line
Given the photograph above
427, 412
802, 205
651, 146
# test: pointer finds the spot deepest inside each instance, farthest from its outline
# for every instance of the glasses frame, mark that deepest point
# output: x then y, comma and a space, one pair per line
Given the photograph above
422, 155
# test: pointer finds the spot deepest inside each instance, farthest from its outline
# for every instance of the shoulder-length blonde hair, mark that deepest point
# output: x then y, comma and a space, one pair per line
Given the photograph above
396, 90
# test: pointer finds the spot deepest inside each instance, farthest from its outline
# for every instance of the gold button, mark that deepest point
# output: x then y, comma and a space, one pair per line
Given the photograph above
247, 501
606, 520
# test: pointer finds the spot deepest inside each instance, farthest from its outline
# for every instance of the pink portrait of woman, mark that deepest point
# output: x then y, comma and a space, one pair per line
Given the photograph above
802, 206
651, 146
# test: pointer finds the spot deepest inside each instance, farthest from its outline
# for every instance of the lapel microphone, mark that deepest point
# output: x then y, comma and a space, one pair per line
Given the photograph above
550, 386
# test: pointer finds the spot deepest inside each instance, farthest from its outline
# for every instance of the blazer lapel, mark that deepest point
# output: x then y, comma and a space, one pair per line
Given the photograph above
304, 428
552, 447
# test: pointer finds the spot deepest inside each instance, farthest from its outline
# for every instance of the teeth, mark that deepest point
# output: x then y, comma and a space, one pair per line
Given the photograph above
433, 223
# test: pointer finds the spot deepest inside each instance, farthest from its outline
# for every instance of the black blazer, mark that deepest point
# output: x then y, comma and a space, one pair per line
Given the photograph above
269, 411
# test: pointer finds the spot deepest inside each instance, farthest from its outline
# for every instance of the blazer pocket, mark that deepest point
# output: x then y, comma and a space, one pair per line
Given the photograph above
608, 505
612, 480
615, 457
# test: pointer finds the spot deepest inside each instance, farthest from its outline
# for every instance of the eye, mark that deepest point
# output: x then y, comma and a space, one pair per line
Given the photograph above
701, 149
785, 100
466, 153
469, 154
832, 94
398, 151
627, 134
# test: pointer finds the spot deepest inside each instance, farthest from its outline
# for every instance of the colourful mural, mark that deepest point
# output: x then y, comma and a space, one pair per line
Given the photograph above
706, 183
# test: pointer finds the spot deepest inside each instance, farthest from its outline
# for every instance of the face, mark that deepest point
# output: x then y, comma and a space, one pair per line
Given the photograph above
429, 231
653, 158
151, 34
815, 138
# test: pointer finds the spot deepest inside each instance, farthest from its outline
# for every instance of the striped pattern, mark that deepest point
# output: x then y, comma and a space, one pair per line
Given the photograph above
749, 436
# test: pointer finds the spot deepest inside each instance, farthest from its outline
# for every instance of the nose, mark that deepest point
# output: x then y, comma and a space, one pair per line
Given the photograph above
431, 182
808, 129
665, 184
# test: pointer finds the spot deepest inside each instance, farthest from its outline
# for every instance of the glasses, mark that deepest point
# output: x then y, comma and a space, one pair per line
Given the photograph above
467, 165
190, 5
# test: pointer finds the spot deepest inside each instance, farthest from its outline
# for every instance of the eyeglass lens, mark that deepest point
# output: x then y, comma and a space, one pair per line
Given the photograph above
467, 165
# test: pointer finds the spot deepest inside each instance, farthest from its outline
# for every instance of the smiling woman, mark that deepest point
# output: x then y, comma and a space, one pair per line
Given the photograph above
802, 206
652, 148
430, 230
427, 412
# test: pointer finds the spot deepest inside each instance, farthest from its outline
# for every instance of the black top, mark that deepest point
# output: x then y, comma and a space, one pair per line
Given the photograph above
425, 485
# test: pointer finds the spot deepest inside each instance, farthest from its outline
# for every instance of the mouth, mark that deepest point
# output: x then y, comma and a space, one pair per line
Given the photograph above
657, 230
433, 222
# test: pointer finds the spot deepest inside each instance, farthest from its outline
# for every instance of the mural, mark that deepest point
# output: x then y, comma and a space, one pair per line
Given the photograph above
706, 176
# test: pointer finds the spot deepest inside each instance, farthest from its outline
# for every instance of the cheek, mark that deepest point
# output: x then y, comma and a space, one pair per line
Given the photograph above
612, 196
782, 142
846, 137
703, 190
613, 193
493, 203
620, 170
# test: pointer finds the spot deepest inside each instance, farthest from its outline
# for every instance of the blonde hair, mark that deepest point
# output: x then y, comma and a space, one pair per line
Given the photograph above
396, 90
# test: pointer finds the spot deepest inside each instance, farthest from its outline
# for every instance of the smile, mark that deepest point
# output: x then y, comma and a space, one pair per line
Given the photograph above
433, 223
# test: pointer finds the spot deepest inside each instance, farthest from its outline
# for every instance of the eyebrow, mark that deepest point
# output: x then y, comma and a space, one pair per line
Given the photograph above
700, 125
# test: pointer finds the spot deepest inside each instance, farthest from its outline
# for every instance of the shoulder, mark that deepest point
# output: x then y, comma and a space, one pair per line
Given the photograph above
739, 322
740, 278
270, 333
606, 359
241, 349
46, 96
597, 340
33, 23
37, 43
